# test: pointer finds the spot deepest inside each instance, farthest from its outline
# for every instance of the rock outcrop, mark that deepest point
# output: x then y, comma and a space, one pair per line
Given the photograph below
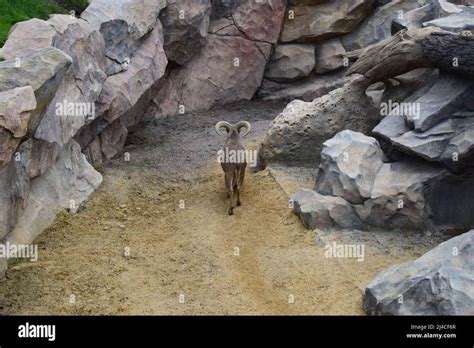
15, 112
438, 283
290, 62
296, 135
350, 162
324, 20
185, 26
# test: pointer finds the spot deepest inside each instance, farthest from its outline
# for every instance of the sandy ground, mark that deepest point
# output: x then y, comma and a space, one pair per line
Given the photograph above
134, 248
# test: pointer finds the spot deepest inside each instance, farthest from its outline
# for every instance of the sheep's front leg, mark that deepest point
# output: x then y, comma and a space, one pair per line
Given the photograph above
229, 185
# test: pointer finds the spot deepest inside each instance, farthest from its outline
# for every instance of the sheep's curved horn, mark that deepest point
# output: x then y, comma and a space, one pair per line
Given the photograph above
243, 124
223, 124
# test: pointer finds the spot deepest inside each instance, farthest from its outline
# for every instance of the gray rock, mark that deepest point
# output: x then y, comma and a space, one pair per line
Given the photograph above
15, 111
185, 32
297, 134
456, 22
349, 165
415, 18
448, 95
121, 92
81, 85
124, 24
306, 2
290, 62
14, 192
224, 8
307, 89
41, 155
377, 27
43, 70
65, 185
113, 138
441, 132
323, 21
437, 283
398, 196
93, 153
316, 210
329, 56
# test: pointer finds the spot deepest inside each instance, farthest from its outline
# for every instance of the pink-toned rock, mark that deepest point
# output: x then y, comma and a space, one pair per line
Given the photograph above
324, 21
113, 138
228, 69
260, 20
15, 111
27, 37
122, 91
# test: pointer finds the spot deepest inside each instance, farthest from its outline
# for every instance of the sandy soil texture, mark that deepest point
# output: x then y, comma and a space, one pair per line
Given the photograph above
156, 239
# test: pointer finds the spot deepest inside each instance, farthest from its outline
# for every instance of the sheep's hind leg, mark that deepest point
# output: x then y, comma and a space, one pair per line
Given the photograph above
240, 181
230, 192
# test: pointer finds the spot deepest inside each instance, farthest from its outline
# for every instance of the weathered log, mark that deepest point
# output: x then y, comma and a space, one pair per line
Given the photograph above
418, 48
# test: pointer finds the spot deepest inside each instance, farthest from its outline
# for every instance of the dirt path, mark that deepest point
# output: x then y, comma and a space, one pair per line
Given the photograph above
136, 249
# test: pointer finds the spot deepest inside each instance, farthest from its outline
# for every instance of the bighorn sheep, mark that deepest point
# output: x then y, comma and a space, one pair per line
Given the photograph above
233, 159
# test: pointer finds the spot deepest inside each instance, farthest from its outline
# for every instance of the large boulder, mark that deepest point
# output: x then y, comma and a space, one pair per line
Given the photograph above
439, 127
377, 27
65, 185
455, 22
124, 24
317, 210
448, 95
185, 25
415, 18
26, 37
15, 111
14, 192
260, 20
398, 199
290, 62
82, 83
329, 56
437, 283
122, 91
113, 138
349, 165
297, 134
43, 70
229, 68
323, 21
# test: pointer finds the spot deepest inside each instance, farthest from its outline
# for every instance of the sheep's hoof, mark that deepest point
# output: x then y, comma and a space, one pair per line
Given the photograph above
239, 203
231, 211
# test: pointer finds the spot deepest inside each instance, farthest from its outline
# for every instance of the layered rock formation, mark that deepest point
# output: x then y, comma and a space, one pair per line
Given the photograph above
392, 140
66, 83
438, 283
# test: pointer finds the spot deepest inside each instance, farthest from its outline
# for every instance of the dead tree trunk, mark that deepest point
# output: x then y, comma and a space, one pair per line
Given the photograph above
419, 48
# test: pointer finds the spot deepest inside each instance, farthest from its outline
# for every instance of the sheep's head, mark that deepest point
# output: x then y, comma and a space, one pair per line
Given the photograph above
233, 129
